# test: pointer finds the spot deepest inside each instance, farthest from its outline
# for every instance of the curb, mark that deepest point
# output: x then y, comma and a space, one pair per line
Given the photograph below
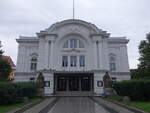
49, 106
111, 110
136, 110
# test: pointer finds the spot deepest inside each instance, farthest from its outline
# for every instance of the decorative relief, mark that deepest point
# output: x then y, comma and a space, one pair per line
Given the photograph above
73, 50
73, 28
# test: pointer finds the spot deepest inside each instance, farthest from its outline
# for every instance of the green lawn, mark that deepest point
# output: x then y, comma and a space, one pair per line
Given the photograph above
115, 97
141, 105
138, 104
7, 108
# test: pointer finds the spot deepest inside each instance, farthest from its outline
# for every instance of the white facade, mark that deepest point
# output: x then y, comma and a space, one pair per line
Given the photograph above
72, 47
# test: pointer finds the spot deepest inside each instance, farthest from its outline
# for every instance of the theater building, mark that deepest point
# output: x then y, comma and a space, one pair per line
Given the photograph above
73, 55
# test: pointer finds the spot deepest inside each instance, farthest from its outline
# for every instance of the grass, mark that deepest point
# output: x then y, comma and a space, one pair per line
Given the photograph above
115, 97
6, 108
141, 105
145, 106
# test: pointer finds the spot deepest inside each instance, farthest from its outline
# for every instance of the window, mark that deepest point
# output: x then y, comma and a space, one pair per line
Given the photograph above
81, 45
66, 44
82, 61
73, 61
112, 66
33, 63
64, 61
73, 43
112, 63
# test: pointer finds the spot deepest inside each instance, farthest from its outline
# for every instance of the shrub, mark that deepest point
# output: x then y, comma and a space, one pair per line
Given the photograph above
26, 89
135, 89
140, 74
14, 92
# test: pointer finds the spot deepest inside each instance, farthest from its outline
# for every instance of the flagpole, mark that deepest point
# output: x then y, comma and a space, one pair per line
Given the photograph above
73, 10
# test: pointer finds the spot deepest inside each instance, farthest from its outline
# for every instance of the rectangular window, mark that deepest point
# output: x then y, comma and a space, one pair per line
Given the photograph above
82, 61
33, 66
64, 61
73, 43
73, 61
112, 66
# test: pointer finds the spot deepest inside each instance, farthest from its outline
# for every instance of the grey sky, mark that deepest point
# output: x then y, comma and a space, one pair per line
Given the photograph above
130, 18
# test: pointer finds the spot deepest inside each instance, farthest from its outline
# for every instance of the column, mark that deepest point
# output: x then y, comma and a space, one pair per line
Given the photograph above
67, 89
51, 54
95, 54
98, 55
80, 83
78, 62
100, 52
105, 55
91, 81
48, 57
46, 54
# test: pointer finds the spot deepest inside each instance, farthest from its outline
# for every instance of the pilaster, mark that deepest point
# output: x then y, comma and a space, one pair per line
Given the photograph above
96, 39
50, 39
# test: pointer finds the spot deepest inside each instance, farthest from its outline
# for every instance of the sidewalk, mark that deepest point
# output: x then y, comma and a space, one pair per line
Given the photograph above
111, 105
40, 106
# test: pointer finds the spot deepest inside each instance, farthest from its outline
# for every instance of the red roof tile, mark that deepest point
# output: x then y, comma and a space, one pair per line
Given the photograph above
9, 60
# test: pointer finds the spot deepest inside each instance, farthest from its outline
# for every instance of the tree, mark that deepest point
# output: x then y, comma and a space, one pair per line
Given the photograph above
1, 51
144, 50
139, 73
5, 69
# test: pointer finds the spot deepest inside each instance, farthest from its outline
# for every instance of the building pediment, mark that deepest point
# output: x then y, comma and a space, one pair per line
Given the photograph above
73, 26
76, 24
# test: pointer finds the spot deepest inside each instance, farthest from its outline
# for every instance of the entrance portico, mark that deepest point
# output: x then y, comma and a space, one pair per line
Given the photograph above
73, 82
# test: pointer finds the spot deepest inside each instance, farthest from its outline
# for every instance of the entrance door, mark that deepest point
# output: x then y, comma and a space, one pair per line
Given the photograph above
85, 83
62, 83
74, 83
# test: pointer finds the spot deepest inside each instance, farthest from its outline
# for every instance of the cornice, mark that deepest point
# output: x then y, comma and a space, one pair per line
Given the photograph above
117, 40
45, 33
119, 73
25, 73
27, 40
104, 34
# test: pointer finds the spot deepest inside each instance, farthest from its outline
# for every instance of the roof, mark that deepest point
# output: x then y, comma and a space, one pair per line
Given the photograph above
8, 58
93, 28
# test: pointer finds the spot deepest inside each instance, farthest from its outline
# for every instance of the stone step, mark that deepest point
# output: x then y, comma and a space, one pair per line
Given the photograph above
75, 94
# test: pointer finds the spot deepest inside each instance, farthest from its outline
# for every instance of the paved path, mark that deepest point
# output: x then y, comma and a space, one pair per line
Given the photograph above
77, 105
39, 107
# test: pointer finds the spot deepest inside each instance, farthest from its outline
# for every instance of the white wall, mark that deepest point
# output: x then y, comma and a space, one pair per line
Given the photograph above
49, 50
25, 51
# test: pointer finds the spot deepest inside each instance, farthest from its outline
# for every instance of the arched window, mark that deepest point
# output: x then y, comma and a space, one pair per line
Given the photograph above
66, 45
73, 43
33, 66
81, 45
112, 62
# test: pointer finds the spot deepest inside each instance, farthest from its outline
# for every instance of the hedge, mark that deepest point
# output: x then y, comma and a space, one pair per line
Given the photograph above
135, 89
15, 92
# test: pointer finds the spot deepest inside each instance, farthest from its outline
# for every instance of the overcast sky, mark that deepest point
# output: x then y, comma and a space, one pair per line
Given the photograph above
130, 18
